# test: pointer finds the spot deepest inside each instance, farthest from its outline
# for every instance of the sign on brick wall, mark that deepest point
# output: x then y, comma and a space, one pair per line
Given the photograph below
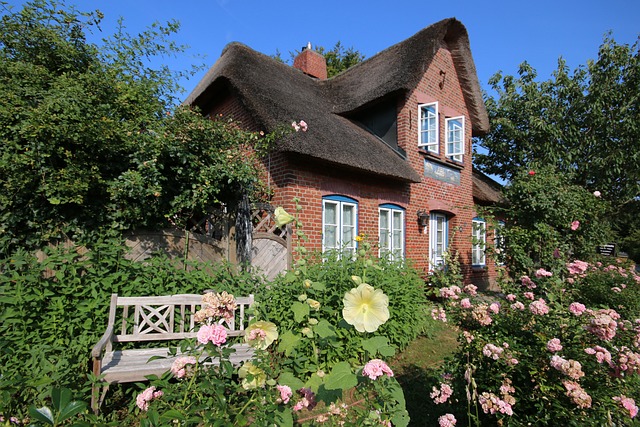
441, 173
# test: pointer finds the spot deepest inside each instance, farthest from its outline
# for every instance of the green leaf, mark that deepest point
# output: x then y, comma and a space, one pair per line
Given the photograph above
60, 398
318, 286
288, 342
341, 377
42, 414
72, 409
173, 414
288, 378
324, 329
300, 311
374, 344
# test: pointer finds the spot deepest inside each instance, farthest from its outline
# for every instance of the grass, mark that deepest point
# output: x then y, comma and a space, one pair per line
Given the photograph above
416, 369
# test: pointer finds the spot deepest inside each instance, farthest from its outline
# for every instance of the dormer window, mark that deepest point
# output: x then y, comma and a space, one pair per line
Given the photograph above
429, 127
454, 146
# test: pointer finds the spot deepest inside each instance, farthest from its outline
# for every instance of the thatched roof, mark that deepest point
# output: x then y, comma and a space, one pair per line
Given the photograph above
275, 94
486, 191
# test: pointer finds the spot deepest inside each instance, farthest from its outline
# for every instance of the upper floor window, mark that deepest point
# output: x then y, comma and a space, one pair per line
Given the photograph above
391, 231
454, 147
339, 224
429, 127
479, 242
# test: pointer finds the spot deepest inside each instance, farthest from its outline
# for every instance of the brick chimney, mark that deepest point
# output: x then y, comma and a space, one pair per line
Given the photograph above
311, 63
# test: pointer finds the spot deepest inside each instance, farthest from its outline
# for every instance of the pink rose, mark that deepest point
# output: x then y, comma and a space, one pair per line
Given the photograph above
217, 334
376, 368
575, 225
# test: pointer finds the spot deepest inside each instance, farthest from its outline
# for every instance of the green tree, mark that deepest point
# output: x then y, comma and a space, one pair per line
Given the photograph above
585, 124
91, 137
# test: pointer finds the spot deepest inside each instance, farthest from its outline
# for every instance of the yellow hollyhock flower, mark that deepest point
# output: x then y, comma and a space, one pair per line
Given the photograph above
281, 217
261, 334
258, 376
365, 308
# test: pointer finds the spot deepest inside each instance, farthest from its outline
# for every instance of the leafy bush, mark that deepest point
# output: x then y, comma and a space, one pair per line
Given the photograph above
53, 311
550, 221
539, 356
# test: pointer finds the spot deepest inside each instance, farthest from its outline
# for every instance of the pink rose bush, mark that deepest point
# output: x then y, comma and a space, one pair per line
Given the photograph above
148, 395
215, 334
587, 357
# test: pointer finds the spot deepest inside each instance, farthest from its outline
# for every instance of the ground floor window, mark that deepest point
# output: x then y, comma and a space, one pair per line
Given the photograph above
339, 224
391, 231
438, 239
479, 242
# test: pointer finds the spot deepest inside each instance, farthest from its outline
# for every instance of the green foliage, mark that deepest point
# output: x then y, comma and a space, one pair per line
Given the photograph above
53, 311
541, 207
505, 354
91, 137
338, 58
609, 283
64, 409
584, 124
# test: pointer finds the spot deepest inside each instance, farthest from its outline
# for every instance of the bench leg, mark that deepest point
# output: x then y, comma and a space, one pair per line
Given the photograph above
97, 398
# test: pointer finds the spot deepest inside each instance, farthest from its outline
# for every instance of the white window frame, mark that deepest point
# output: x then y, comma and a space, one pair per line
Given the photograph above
432, 146
479, 242
438, 239
388, 244
454, 145
342, 204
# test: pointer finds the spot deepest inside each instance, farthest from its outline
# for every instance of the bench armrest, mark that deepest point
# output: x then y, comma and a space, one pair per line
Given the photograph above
96, 353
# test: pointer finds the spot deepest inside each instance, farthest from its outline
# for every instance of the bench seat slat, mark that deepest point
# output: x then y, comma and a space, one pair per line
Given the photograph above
124, 366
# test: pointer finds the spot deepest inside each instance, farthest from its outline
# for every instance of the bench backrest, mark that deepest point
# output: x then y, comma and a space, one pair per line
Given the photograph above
170, 317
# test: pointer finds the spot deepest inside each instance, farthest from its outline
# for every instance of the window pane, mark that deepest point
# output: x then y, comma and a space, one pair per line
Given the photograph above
348, 217
384, 230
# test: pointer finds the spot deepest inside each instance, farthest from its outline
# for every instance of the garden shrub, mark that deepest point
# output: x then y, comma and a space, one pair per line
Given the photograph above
538, 355
549, 221
53, 311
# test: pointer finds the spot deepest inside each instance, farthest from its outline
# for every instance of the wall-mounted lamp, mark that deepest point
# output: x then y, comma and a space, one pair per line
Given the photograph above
443, 74
423, 217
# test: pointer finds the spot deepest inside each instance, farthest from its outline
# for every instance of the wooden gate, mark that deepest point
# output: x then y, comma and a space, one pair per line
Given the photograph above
271, 246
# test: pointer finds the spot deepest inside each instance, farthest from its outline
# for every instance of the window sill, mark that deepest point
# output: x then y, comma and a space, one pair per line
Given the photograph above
479, 268
436, 158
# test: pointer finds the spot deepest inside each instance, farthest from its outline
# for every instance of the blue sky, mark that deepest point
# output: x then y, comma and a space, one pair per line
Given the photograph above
502, 33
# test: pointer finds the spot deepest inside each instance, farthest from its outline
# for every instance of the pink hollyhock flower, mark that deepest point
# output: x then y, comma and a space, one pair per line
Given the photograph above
575, 225
285, 393
627, 403
465, 303
376, 368
541, 272
179, 366
217, 334
554, 345
447, 420
441, 395
577, 308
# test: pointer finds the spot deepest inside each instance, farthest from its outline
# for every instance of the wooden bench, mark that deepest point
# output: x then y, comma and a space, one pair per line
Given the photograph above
154, 319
